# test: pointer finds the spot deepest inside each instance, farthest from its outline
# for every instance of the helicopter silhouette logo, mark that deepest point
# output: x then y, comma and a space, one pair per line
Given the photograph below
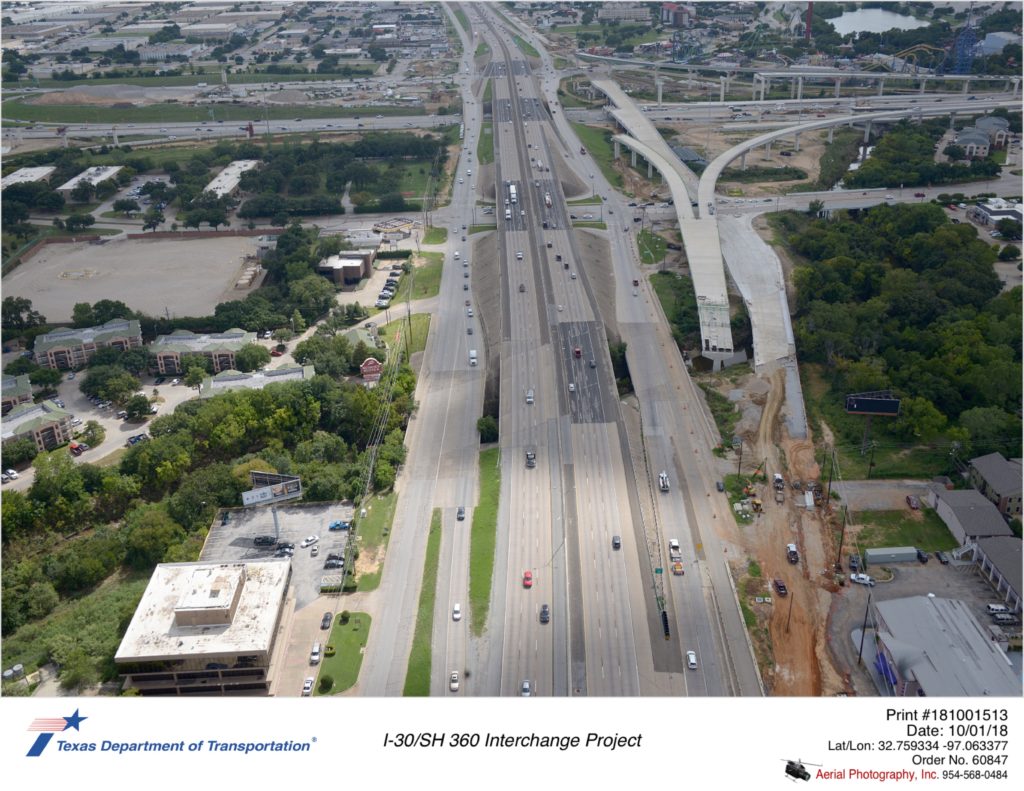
797, 770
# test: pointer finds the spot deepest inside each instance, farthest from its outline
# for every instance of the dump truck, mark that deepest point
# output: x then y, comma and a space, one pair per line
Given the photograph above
792, 555
780, 496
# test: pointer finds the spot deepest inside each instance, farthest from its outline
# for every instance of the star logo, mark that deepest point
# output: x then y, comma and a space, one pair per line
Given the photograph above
49, 726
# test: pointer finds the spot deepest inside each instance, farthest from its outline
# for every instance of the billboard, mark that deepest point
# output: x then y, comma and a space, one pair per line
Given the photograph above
288, 489
881, 403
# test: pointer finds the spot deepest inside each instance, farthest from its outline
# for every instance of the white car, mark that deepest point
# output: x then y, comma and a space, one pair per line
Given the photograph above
863, 579
308, 541
691, 660
307, 687
453, 682
572, 387
11, 474
175, 381
457, 612
526, 689
519, 255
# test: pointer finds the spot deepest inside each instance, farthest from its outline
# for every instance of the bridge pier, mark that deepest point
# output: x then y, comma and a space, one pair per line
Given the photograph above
765, 87
867, 132
743, 161
837, 88
1016, 86
632, 158
967, 86
661, 84
617, 148
650, 169
799, 88
831, 131
881, 85
796, 141
722, 83
952, 119
924, 82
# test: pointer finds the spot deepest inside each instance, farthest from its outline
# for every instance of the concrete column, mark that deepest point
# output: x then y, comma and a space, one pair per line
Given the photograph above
114, 130
765, 87
924, 82
837, 88
831, 131
792, 88
796, 141
768, 147
743, 161
650, 169
867, 132
1016, 86
967, 85
616, 142
721, 89
661, 85
952, 118
799, 88
881, 85
753, 86
632, 158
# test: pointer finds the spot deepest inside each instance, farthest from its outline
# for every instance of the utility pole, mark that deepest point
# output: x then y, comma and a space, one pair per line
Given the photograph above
864, 630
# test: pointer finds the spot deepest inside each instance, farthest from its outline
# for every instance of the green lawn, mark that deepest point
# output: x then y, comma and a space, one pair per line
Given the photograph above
482, 539
904, 529
419, 327
169, 112
598, 143
485, 146
463, 20
482, 228
417, 677
590, 224
488, 91
589, 201
561, 63
435, 235
526, 47
482, 49
427, 277
652, 247
415, 176
373, 534
348, 641
181, 79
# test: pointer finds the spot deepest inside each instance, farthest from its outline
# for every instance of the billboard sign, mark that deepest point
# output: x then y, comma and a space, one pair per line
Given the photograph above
289, 489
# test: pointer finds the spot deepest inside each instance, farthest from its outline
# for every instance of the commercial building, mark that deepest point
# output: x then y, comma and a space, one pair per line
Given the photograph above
15, 390
974, 142
205, 629
93, 175
624, 12
349, 267
226, 381
44, 423
928, 646
226, 182
999, 480
219, 347
997, 129
209, 31
994, 43
967, 514
1000, 561
72, 348
993, 210
26, 176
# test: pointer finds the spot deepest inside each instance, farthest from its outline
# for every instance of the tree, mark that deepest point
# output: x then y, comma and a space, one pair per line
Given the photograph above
194, 377
18, 452
1011, 229
150, 533
954, 151
488, 428
251, 357
77, 222
312, 295
298, 323
383, 476
814, 207
16, 313
1009, 252
152, 219
106, 188
83, 192
110, 382
137, 407
82, 315
45, 377
126, 206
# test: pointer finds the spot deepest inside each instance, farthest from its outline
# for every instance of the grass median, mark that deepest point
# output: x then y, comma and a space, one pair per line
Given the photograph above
348, 640
416, 327
526, 47
373, 532
652, 247
482, 540
485, 146
435, 235
417, 676
598, 143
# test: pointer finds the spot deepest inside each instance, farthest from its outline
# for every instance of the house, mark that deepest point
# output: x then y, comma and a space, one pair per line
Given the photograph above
370, 369
73, 348
219, 347
997, 129
999, 480
967, 514
16, 390
45, 423
257, 380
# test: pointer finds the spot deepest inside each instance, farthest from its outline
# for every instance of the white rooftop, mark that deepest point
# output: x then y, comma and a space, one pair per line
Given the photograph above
197, 609
26, 175
92, 175
225, 182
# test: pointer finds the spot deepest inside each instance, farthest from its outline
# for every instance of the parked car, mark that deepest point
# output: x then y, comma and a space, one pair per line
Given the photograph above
307, 687
325, 622
338, 524
780, 587
942, 557
913, 502
922, 556
309, 541
862, 579
854, 563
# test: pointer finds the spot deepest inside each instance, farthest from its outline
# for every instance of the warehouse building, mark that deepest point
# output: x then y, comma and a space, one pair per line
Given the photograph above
26, 176
968, 514
205, 629
72, 348
226, 182
92, 175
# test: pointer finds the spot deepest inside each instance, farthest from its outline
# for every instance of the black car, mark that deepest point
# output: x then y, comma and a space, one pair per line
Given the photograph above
335, 556
922, 556
160, 380
285, 545
460, 514
854, 563
263, 541
325, 622
780, 587
545, 613
334, 564
616, 542
943, 558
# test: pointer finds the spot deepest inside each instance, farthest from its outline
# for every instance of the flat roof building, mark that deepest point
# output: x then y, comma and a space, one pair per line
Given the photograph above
93, 175
44, 423
205, 629
73, 348
347, 267
929, 646
999, 559
209, 30
229, 380
226, 182
219, 347
26, 176
16, 390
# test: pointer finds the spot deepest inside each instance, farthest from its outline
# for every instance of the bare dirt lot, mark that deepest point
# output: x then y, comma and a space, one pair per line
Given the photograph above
182, 278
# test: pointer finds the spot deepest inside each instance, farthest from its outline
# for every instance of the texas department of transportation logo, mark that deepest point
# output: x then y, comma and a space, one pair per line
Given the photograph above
50, 726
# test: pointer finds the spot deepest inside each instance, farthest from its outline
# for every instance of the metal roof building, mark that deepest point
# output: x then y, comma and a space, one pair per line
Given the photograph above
928, 646
226, 182
257, 380
93, 175
27, 175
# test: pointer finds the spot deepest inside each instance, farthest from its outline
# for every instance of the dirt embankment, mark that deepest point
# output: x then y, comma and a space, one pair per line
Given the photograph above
485, 273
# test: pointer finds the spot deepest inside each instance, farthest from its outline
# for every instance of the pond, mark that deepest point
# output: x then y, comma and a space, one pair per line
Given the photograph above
874, 20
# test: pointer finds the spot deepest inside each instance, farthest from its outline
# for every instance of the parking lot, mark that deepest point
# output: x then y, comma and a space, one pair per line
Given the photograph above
958, 580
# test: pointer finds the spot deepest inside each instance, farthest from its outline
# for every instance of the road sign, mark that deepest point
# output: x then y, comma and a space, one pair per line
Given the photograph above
657, 571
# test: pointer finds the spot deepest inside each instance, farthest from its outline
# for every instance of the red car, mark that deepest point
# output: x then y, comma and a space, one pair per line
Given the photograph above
918, 194
276, 353
527, 579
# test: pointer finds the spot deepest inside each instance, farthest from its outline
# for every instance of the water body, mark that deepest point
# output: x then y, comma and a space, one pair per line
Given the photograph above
874, 20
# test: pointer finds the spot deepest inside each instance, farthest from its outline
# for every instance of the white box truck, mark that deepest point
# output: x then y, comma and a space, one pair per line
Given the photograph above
472, 356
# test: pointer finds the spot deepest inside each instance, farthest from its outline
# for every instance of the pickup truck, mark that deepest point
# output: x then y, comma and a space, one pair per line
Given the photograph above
674, 553
792, 555
663, 481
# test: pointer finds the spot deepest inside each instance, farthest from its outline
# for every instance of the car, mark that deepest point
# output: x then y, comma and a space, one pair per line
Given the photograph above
307, 687
12, 474
862, 579
572, 387
525, 689
545, 613
460, 513
77, 421
308, 541
922, 556
325, 621
691, 660
465, 286
469, 330
286, 545
527, 579
336, 556
854, 563
175, 381
456, 612
5, 477
453, 681
338, 524
572, 275
159, 380
918, 194
942, 557
334, 564
519, 255
720, 486
71, 376
276, 353
780, 587
463, 238
913, 502
469, 312
315, 551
